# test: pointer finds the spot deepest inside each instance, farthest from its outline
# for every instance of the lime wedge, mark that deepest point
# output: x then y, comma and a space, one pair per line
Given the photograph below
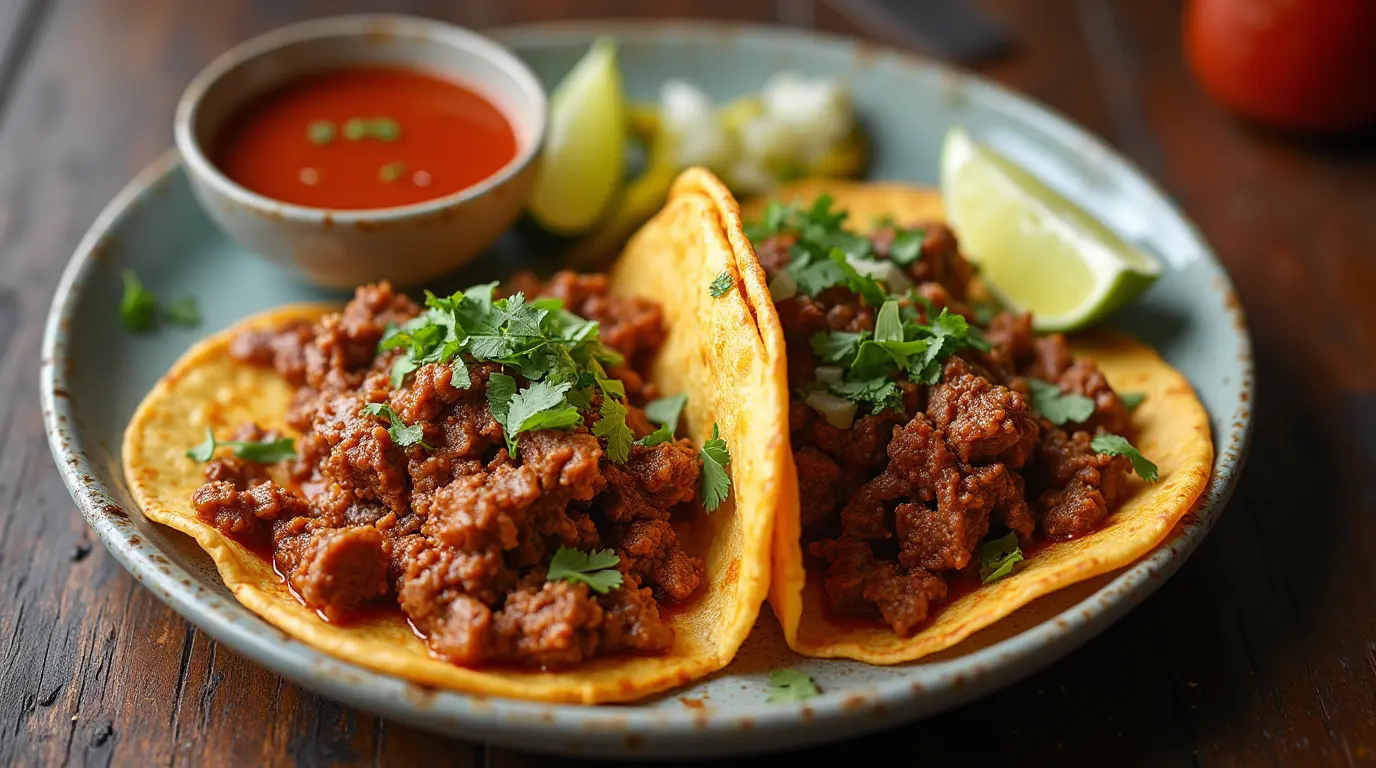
585, 147
1037, 251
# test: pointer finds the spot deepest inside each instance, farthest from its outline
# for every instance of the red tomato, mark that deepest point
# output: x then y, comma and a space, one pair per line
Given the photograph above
1307, 65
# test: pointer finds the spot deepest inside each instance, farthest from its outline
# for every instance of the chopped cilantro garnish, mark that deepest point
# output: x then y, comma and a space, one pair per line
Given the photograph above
1056, 406
879, 393
998, 556
1132, 399
500, 389
401, 434
183, 312
790, 685
383, 129
390, 172
612, 428
867, 288
556, 350
837, 346
716, 481
1117, 445
907, 246
888, 326
542, 405
264, 452
321, 131
596, 569
665, 412
138, 309
721, 285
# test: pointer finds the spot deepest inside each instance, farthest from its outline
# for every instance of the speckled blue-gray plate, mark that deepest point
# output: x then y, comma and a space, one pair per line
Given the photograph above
94, 374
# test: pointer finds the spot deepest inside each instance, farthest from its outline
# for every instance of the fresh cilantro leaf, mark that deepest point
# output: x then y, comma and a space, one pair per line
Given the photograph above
907, 246
850, 243
500, 389
924, 371
612, 428
721, 285
715, 482
519, 318
812, 274
1058, 407
666, 410
596, 569
264, 452
998, 556
1117, 445
139, 307
661, 435
957, 329
183, 312
203, 450
612, 387
490, 346
401, 368
775, 218
1132, 399
866, 288
879, 394
460, 379
541, 405
790, 685
887, 324
836, 346
401, 434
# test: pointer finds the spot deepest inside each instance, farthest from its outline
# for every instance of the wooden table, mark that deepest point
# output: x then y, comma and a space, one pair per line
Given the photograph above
1262, 650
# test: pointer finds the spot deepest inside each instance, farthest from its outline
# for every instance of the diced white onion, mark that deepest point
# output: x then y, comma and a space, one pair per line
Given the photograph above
838, 411
817, 113
783, 286
690, 119
884, 271
829, 374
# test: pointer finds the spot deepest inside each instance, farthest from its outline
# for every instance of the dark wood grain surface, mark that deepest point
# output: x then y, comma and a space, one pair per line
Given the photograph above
1261, 651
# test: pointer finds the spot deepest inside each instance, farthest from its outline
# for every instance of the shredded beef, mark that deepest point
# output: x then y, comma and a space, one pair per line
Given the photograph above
898, 503
453, 529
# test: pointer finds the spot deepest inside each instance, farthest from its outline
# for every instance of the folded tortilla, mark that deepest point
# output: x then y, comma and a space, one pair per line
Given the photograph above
1170, 427
714, 352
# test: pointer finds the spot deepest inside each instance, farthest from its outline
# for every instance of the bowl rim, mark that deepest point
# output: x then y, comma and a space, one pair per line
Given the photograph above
357, 26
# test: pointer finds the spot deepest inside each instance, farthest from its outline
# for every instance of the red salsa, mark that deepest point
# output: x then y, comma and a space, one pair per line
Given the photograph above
365, 137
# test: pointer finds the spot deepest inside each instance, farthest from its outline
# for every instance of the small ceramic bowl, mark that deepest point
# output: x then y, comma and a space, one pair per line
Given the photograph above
345, 248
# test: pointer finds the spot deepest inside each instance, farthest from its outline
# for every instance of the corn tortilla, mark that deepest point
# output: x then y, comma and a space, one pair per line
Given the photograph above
1170, 427
713, 348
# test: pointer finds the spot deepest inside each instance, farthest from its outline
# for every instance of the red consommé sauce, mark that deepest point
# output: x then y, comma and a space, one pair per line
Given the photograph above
447, 138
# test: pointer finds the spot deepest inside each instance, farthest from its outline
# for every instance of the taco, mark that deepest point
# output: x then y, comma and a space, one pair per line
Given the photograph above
952, 465
544, 489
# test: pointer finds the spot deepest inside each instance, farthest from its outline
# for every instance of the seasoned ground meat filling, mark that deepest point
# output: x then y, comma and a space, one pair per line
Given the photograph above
897, 503
453, 528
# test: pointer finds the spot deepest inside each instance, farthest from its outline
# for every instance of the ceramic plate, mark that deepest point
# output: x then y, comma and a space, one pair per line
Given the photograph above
94, 374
